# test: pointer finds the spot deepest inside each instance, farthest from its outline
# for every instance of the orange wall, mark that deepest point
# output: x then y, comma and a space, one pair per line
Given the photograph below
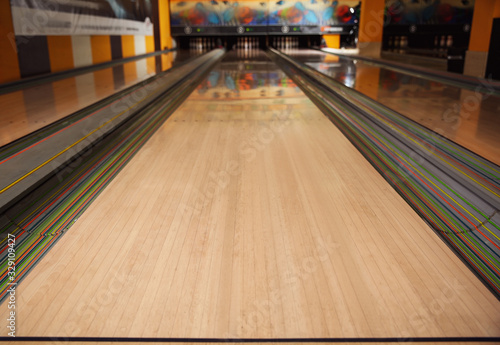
101, 49
60, 53
496, 10
164, 16
9, 66
371, 21
128, 46
482, 22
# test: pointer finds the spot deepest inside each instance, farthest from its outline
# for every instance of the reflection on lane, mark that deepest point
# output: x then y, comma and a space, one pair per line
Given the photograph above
244, 89
238, 78
32, 108
469, 118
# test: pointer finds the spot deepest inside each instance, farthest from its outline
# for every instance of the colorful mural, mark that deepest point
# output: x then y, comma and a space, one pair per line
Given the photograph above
218, 13
314, 12
258, 13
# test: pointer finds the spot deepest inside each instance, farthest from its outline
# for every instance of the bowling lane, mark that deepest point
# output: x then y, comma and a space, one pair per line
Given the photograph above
467, 117
251, 218
32, 108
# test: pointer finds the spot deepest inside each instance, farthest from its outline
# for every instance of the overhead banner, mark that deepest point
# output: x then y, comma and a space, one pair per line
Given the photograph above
81, 17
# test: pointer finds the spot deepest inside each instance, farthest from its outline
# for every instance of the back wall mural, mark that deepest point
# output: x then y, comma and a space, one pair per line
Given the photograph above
194, 17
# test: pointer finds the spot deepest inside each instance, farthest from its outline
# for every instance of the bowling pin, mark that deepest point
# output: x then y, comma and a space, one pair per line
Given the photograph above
442, 45
449, 41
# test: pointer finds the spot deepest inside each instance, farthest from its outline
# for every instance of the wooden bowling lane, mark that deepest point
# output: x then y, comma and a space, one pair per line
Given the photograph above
467, 117
30, 109
251, 218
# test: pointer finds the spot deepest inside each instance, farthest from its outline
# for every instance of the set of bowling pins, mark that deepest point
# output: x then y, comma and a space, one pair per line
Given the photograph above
247, 47
285, 43
200, 45
398, 43
247, 43
441, 43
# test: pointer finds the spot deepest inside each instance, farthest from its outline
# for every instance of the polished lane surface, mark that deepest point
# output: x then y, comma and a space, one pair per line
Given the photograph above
32, 108
253, 217
469, 118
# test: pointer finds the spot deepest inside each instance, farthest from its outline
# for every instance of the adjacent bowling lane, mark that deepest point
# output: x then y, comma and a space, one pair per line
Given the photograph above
32, 108
467, 117
249, 215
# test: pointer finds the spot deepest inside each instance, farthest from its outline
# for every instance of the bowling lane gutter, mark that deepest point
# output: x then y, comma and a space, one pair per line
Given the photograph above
27, 162
476, 84
454, 190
